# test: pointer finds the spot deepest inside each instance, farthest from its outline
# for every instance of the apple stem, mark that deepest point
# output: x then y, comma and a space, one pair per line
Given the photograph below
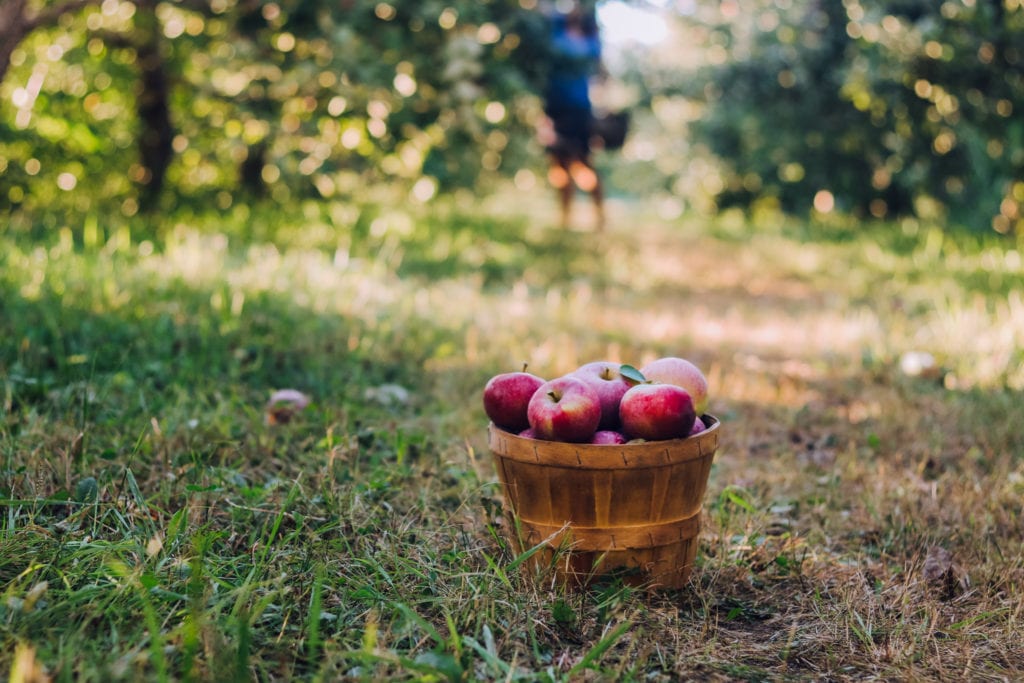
555, 396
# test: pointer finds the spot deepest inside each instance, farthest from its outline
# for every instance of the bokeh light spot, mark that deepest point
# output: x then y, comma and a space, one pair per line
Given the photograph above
448, 18
488, 33
424, 189
337, 105
285, 42
67, 181
494, 112
405, 84
270, 173
525, 179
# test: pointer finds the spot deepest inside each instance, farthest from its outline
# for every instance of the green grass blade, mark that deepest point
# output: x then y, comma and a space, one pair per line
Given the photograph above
313, 623
595, 653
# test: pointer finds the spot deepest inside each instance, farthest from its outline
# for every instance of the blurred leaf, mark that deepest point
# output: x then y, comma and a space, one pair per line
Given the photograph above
563, 613
87, 490
441, 662
738, 497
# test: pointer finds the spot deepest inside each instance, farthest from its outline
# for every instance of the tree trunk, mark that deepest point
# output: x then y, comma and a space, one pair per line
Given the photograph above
16, 23
250, 171
156, 133
13, 28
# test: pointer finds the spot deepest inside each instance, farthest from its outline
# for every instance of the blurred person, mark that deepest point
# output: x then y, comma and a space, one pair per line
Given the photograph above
575, 54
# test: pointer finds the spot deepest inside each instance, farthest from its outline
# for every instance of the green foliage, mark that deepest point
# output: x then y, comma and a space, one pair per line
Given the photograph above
892, 109
287, 100
883, 110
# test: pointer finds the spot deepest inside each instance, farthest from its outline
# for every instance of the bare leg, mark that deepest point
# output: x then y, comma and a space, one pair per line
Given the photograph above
586, 178
560, 178
597, 195
565, 195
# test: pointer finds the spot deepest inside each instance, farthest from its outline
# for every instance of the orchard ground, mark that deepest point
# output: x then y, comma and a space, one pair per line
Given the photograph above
864, 513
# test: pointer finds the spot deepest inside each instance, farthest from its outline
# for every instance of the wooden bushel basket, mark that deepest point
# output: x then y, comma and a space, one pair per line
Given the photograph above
629, 509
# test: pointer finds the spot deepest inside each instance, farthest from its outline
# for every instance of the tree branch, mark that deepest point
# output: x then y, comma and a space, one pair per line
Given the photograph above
115, 39
198, 6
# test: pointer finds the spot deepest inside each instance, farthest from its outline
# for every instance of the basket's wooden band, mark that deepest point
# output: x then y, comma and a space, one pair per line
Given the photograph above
612, 538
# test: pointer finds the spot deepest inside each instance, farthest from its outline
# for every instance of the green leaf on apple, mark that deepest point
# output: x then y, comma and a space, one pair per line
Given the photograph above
632, 374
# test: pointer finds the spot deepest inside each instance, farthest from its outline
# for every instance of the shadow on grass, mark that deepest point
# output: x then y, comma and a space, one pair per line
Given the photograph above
171, 335
499, 252
182, 342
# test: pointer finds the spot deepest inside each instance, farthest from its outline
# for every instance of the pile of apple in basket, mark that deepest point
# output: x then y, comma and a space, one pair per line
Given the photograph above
602, 402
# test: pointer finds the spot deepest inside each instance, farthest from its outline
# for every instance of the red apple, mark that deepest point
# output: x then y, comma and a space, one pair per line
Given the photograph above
657, 411
564, 409
698, 426
607, 437
527, 434
682, 373
506, 398
609, 384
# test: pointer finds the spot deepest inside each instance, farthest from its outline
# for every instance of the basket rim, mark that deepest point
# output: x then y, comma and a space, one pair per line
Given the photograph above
647, 454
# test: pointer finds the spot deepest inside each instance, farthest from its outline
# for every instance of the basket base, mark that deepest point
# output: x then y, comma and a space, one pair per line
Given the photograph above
666, 565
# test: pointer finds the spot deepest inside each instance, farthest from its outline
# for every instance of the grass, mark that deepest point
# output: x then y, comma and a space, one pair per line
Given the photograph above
860, 523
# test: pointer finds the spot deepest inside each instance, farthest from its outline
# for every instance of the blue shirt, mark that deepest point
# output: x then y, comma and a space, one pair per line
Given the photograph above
574, 59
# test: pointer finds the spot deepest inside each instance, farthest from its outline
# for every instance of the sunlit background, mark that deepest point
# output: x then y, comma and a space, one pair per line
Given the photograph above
624, 25
905, 113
